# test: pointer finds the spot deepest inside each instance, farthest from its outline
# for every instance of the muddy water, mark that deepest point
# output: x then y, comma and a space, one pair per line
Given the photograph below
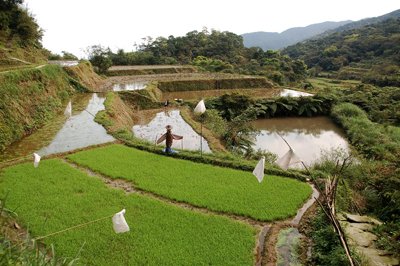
62, 134
307, 136
132, 86
152, 130
287, 246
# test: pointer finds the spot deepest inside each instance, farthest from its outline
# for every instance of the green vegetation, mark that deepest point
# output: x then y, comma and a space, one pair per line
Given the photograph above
98, 56
84, 76
214, 84
29, 98
20, 36
60, 196
210, 51
219, 189
369, 53
148, 70
369, 138
326, 249
17, 25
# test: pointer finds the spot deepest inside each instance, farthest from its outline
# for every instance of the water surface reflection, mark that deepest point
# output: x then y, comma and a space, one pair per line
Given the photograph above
156, 127
138, 85
307, 136
80, 130
62, 134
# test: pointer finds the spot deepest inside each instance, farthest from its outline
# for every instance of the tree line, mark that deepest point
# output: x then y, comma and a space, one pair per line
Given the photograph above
213, 51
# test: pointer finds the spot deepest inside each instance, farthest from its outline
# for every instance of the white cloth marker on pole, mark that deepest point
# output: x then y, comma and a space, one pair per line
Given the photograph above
119, 223
259, 169
68, 110
36, 160
200, 107
288, 159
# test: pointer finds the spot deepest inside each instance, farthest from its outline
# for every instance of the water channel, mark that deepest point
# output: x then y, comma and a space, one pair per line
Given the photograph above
64, 134
308, 137
153, 129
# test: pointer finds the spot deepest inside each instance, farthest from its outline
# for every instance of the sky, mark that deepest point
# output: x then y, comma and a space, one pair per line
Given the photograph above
74, 25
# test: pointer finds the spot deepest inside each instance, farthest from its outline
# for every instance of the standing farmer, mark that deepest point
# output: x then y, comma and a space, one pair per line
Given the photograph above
168, 137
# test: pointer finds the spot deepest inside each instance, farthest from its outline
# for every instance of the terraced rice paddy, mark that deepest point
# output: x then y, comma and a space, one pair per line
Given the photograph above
215, 188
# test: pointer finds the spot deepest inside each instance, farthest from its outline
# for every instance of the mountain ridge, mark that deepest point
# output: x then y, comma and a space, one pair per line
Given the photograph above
276, 41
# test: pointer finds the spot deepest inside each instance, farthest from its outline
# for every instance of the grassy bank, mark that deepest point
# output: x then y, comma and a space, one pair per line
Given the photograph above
214, 84
375, 141
148, 70
55, 196
215, 188
29, 98
84, 74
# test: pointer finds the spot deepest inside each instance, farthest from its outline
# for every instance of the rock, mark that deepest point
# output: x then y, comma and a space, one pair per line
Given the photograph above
361, 219
359, 237
341, 217
363, 226
374, 259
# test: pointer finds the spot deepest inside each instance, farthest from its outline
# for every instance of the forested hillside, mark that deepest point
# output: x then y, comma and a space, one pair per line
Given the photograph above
370, 53
20, 35
213, 51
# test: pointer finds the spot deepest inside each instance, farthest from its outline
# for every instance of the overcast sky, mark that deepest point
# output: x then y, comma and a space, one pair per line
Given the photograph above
73, 25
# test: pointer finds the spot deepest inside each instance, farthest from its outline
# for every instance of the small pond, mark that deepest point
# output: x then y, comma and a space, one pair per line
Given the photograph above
153, 130
129, 86
307, 136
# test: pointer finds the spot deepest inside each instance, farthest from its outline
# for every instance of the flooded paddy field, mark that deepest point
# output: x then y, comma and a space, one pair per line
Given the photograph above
307, 136
65, 134
153, 127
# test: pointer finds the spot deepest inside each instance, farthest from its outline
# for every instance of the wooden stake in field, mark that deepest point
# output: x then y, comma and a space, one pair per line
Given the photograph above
329, 195
200, 109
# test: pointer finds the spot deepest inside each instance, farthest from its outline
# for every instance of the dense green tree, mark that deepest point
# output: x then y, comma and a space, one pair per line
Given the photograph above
99, 57
17, 25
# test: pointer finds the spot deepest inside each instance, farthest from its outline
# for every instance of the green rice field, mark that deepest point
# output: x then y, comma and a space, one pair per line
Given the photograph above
56, 196
215, 188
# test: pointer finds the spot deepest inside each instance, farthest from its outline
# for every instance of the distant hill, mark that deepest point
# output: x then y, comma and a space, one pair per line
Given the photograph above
276, 41
363, 22
367, 49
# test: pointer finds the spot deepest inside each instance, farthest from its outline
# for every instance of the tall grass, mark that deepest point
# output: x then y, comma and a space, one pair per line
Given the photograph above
55, 196
372, 139
216, 188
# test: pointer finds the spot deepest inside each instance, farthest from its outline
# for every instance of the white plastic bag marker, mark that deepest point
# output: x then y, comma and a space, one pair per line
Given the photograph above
288, 159
259, 169
68, 110
119, 223
36, 159
200, 107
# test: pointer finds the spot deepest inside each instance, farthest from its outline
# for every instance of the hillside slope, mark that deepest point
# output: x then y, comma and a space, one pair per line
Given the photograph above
370, 53
276, 41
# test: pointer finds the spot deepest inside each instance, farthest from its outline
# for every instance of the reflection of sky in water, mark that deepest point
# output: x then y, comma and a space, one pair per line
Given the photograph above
79, 130
293, 93
156, 127
130, 86
307, 136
